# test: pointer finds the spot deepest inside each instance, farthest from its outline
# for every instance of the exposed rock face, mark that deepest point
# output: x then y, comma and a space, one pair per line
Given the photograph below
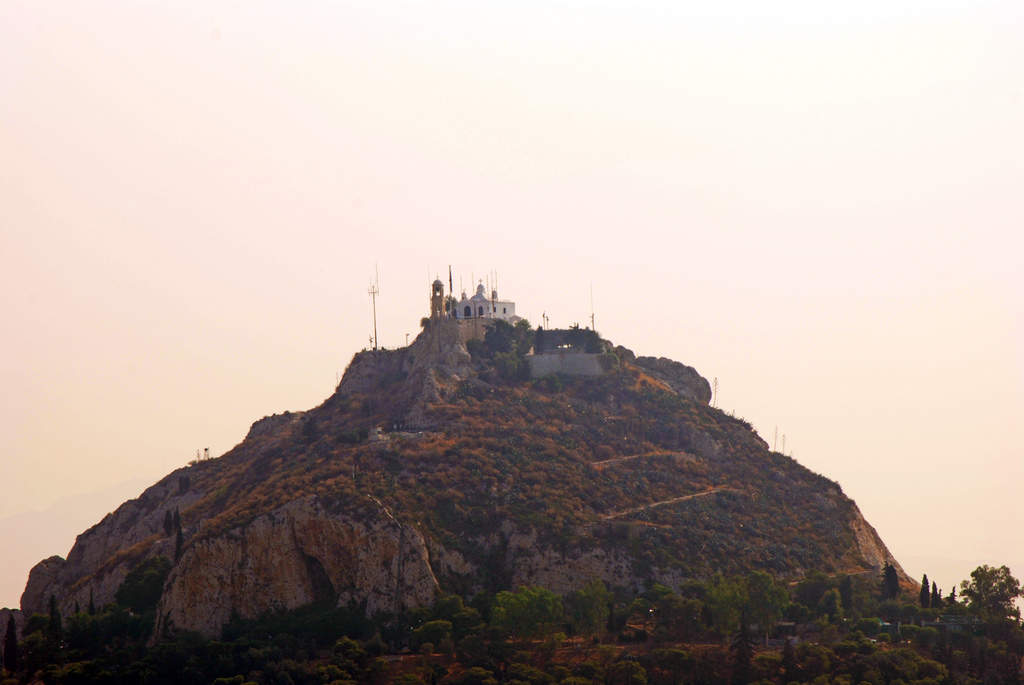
681, 378
292, 556
871, 548
271, 424
435, 360
43, 581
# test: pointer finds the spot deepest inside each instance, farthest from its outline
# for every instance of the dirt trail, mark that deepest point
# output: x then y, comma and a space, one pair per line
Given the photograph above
673, 500
607, 462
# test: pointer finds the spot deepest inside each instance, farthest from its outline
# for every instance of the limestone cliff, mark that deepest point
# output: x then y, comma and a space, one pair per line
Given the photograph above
294, 555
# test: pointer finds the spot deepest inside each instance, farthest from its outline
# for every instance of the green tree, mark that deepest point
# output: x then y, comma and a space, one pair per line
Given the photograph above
924, 597
141, 589
587, 609
433, 632
890, 582
809, 590
831, 605
466, 621
511, 366
179, 539
626, 673
846, 593
538, 340
726, 599
765, 600
742, 647
936, 599
789, 660
679, 619
528, 612
55, 626
675, 662
10, 654
991, 592
179, 542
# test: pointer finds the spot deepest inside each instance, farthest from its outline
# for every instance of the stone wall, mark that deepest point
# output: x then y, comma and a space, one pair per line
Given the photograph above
569, 363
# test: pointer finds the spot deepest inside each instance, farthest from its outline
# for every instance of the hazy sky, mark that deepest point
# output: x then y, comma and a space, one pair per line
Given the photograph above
819, 203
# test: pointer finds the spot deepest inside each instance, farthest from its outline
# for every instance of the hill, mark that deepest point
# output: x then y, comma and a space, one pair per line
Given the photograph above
481, 479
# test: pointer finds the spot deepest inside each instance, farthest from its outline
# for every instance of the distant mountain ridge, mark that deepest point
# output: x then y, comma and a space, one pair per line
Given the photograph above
480, 479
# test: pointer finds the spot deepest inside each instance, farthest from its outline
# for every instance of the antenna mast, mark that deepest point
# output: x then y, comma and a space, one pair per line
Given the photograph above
373, 291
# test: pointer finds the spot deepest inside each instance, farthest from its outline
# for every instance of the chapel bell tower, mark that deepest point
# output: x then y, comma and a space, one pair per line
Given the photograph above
437, 300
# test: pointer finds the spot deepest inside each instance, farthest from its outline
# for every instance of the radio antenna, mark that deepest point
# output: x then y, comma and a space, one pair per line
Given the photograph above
373, 291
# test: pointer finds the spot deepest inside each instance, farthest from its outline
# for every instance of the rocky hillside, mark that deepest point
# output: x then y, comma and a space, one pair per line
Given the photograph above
479, 480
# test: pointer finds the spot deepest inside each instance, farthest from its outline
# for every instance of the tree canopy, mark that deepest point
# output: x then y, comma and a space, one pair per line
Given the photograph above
990, 593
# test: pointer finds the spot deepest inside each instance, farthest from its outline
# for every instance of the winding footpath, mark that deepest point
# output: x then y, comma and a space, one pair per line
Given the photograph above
673, 500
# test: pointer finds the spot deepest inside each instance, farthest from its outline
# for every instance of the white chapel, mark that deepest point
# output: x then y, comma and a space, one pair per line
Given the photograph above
481, 307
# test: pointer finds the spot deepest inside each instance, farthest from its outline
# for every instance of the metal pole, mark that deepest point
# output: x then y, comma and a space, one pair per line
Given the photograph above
373, 300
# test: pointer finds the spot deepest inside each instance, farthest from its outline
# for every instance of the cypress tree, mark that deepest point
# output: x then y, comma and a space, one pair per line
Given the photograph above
789, 661
925, 596
890, 582
846, 593
936, 596
10, 660
179, 541
743, 651
168, 523
55, 627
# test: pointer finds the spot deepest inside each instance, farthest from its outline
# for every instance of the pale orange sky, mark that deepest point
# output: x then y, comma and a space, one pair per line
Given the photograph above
821, 206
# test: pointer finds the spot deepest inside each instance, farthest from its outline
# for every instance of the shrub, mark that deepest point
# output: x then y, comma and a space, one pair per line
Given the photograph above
143, 585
